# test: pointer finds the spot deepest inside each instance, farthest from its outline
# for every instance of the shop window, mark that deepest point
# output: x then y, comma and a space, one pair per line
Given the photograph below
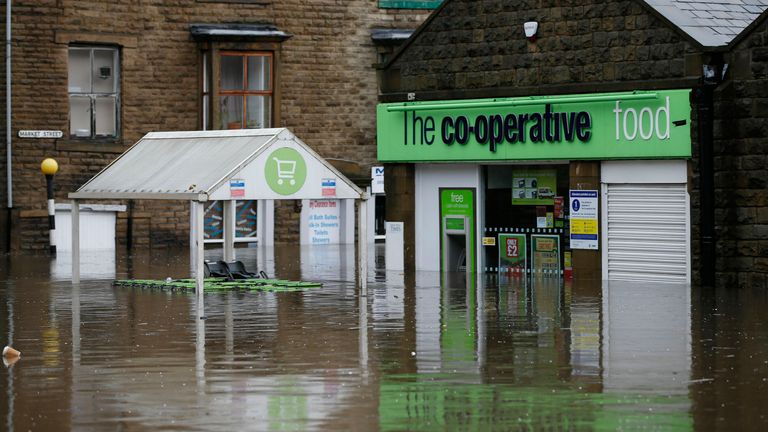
94, 92
245, 90
246, 218
409, 4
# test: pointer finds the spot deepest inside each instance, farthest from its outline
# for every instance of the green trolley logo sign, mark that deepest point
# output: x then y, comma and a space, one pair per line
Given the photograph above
285, 171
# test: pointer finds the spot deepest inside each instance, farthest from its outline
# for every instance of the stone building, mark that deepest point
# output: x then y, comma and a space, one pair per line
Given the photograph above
680, 199
106, 73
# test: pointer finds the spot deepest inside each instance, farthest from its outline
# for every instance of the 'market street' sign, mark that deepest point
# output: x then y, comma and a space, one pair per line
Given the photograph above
40, 134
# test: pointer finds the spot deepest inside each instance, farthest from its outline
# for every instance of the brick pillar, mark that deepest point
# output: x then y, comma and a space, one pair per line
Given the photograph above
587, 264
400, 186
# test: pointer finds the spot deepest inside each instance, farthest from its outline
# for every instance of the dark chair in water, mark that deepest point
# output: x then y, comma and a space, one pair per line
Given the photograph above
237, 271
217, 269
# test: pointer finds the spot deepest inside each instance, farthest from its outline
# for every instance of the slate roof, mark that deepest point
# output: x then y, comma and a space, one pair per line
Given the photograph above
711, 23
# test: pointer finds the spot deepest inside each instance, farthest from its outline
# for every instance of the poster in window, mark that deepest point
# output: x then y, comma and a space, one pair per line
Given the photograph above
534, 186
213, 221
545, 254
513, 253
245, 218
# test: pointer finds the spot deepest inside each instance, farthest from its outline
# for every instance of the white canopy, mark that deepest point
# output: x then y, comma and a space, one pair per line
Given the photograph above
226, 165
243, 164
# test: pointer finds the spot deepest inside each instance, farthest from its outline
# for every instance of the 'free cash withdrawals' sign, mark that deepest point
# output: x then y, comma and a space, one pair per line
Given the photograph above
583, 219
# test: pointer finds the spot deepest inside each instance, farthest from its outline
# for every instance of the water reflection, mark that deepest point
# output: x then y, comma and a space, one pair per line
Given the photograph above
420, 351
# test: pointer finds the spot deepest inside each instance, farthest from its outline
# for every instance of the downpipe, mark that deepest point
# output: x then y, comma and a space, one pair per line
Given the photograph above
711, 77
8, 141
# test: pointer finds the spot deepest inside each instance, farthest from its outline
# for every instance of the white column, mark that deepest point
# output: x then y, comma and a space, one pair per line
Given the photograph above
371, 203
75, 241
362, 247
363, 336
265, 222
229, 230
193, 236
347, 215
200, 254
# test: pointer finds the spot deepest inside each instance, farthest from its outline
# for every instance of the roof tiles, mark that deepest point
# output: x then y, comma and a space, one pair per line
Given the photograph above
711, 23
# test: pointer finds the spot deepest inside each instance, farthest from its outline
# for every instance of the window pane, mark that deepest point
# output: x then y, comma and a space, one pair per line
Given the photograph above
214, 228
80, 116
231, 73
259, 73
104, 73
259, 112
105, 108
79, 70
245, 223
231, 112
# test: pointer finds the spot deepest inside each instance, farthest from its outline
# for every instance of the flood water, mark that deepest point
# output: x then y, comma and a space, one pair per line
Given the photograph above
420, 351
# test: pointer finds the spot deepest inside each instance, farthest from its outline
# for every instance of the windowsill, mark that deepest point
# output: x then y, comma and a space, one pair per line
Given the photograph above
99, 146
256, 2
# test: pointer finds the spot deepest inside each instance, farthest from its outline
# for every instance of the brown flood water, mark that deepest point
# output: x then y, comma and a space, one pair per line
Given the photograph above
419, 352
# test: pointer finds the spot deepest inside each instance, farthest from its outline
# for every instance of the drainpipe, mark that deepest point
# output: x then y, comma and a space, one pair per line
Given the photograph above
712, 76
8, 163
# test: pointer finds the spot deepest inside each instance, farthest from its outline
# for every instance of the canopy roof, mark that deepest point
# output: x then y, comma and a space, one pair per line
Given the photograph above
242, 164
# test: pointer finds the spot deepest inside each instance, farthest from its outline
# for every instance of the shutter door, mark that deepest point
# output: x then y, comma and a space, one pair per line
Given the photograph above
647, 232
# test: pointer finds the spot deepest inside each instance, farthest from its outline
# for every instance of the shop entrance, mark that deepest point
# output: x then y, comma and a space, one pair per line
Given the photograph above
526, 219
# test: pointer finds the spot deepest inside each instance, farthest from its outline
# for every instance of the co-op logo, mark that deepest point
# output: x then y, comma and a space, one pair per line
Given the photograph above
552, 124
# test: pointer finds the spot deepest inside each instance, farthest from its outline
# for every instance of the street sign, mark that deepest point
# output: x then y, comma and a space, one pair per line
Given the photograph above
40, 134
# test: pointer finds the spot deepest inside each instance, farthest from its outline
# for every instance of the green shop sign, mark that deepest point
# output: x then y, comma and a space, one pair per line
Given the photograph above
653, 124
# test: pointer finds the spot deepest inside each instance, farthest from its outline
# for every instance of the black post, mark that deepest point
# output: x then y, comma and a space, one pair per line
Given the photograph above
51, 214
707, 183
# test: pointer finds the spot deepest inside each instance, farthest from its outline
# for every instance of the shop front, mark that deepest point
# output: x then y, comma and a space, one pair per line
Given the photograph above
590, 183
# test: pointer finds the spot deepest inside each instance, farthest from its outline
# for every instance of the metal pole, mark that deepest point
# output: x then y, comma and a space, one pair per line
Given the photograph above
75, 241
200, 257
362, 246
51, 214
193, 237
229, 230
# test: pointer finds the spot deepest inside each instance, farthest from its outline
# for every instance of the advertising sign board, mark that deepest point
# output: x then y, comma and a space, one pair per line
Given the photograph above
583, 219
545, 254
513, 252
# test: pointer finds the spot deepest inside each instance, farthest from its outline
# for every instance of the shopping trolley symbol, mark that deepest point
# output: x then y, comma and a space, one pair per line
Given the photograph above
286, 169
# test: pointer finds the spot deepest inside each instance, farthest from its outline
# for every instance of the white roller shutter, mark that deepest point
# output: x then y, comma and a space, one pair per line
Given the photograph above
646, 232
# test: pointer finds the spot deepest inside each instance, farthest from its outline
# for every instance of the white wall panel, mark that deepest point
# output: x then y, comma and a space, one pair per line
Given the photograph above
429, 179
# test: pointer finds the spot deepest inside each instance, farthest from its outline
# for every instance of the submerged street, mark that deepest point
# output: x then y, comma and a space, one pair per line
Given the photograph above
419, 351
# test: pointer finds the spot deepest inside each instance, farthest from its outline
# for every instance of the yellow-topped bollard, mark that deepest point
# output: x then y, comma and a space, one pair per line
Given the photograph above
49, 166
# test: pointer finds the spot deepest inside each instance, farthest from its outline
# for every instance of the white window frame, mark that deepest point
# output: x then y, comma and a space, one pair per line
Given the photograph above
93, 96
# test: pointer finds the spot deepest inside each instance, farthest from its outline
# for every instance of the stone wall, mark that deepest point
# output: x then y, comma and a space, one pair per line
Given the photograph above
741, 153
328, 89
580, 45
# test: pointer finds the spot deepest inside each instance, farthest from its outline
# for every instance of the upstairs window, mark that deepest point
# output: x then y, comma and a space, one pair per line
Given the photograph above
245, 90
94, 92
